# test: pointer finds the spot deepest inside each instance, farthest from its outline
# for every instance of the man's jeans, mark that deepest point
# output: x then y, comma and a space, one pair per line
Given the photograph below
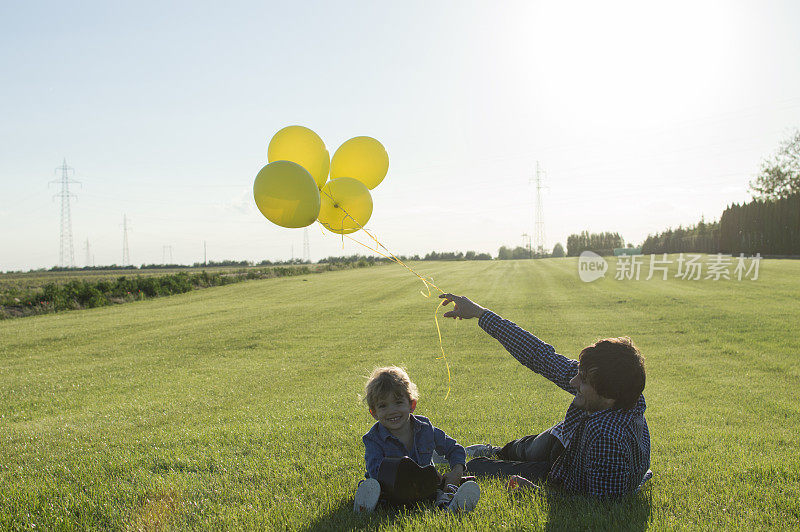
530, 457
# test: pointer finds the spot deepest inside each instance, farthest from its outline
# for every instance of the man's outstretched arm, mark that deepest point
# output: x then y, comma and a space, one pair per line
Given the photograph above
525, 347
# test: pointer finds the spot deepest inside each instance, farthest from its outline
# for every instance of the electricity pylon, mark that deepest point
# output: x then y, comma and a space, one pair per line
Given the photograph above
126, 256
538, 233
66, 253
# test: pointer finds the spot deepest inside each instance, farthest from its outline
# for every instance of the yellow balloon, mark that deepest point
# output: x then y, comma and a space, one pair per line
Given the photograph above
304, 147
286, 194
345, 201
362, 158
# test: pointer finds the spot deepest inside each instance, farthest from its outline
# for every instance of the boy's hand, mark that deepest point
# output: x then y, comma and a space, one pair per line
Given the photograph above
454, 476
464, 308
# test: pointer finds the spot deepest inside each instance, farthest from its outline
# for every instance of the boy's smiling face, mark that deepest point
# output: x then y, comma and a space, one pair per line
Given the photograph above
393, 411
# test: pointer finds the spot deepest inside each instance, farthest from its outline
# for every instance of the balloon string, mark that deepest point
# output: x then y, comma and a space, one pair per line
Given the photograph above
439, 332
427, 282
435, 312
371, 249
392, 257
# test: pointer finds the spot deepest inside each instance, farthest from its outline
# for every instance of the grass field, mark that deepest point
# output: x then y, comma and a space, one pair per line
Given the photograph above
237, 407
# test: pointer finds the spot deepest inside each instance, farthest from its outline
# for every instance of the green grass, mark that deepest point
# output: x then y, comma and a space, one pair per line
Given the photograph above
237, 407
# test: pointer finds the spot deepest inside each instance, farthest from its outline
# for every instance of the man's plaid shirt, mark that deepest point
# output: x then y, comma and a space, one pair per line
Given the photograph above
607, 452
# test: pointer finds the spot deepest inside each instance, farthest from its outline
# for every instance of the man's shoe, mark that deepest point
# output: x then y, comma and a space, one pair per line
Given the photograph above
518, 486
483, 450
367, 495
516, 482
466, 498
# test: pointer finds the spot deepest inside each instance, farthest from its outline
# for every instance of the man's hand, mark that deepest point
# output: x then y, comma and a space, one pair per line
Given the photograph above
464, 308
454, 476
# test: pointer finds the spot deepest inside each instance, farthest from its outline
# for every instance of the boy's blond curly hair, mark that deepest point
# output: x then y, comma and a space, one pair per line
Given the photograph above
390, 380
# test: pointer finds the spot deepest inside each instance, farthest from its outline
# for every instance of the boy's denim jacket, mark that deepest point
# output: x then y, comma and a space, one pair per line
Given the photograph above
379, 443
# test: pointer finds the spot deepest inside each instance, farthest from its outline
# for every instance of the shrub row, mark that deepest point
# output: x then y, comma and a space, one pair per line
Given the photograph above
77, 294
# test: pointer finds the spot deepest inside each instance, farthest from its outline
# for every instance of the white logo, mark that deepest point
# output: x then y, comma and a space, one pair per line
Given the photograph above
591, 266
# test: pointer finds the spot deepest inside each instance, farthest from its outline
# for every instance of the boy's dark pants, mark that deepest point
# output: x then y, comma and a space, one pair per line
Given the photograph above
530, 457
404, 482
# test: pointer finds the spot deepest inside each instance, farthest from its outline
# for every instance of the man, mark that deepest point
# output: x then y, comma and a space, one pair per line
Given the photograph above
602, 447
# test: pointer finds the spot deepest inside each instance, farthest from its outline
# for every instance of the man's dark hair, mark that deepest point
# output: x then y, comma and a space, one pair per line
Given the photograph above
615, 369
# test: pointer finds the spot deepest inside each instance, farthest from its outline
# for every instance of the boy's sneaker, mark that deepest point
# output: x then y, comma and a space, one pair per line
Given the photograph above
443, 498
466, 498
483, 450
367, 494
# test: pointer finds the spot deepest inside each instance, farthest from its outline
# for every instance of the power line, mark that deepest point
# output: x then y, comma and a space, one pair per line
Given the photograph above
66, 253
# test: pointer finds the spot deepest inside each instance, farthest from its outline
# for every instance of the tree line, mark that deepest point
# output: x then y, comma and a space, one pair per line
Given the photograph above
699, 238
769, 224
433, 255
760, 226
600, 243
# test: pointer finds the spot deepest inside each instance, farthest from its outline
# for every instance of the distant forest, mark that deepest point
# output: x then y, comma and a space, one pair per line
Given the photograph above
769, 227
769, 224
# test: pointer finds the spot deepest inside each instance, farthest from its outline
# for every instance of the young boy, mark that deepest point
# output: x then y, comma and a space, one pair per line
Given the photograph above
392, 398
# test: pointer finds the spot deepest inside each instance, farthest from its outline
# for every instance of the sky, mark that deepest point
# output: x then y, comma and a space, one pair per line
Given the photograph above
641, 116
